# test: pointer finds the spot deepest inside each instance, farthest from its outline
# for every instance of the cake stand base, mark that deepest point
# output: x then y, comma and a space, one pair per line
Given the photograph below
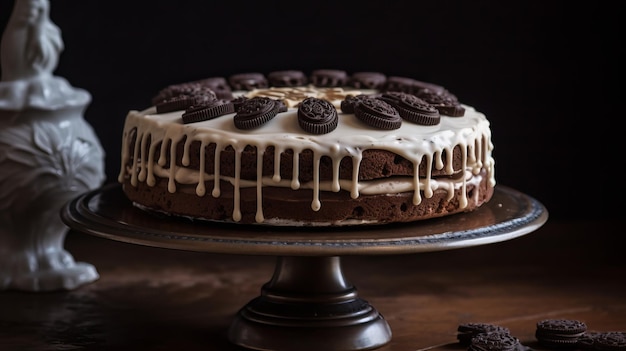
309, 305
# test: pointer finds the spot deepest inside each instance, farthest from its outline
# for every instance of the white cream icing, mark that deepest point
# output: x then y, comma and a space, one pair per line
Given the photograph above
416, 143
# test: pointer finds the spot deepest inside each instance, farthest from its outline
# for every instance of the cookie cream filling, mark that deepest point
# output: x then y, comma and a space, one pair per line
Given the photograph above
416, 143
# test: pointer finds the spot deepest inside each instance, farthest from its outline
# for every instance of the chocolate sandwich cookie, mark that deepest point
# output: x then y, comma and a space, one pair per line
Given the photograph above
248, 81
329, 78
495, 342
444, 101
412, 108
289, 78
610, 341
402, 84
255, 112
238, 101
317, 116
186, 89
219, 85
559, 332
467, 331
393, 97
280, 106
410, 85
181, 102
378, 114
347, 105
207, 110
587, 340
419, 86
367, 80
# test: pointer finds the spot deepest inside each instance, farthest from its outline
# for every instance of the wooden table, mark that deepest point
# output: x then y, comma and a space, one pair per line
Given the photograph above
161, 299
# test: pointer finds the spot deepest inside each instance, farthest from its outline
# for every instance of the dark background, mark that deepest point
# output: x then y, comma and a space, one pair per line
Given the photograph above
544, 72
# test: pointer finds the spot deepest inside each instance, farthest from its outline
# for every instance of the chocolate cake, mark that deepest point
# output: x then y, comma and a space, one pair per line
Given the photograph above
324, 149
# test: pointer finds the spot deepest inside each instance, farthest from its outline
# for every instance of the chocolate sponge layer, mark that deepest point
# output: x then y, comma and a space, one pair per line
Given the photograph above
294, 206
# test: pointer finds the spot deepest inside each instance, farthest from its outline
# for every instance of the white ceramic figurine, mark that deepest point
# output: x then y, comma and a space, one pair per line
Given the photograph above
48, 155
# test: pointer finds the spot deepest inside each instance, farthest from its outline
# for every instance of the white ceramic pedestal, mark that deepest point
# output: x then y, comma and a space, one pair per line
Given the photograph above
46, 159
48, 155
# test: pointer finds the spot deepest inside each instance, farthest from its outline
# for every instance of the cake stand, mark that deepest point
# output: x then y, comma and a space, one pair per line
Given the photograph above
307, 304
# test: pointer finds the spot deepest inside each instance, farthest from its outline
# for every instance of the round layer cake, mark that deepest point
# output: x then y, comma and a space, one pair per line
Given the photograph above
327, 149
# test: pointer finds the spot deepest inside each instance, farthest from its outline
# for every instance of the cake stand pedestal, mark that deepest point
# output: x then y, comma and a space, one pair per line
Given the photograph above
307, 304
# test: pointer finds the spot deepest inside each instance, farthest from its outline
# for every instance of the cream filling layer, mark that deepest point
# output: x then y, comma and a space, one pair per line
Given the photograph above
396, 185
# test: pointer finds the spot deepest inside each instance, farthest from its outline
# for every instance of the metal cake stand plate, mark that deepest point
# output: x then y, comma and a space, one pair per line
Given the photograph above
307, 304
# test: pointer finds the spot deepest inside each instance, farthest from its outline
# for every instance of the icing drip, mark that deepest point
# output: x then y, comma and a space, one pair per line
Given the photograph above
276, 166
216, 166
417, 198
463, 199
316, 205
236, 198
201, 189
356, 163
336, 186
295, 182
259, 187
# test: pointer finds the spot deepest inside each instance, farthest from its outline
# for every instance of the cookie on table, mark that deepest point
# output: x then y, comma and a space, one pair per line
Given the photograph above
560, 333
609, 341
495, 341
587, 340
467, 331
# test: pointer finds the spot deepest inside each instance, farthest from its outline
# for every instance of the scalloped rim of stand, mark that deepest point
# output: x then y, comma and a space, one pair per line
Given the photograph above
107, 213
